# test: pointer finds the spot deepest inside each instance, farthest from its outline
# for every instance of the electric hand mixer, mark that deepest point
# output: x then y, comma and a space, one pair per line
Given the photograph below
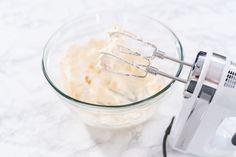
209, 95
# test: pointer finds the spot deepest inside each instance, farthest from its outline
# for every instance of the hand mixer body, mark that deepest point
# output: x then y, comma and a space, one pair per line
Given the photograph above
209, 98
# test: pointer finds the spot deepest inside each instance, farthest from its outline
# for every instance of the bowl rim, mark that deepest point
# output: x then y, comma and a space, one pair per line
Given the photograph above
44, 63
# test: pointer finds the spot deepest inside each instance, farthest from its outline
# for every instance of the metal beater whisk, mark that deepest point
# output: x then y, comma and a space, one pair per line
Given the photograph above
136, 47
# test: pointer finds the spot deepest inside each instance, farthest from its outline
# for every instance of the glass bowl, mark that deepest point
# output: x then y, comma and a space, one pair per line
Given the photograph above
95, 25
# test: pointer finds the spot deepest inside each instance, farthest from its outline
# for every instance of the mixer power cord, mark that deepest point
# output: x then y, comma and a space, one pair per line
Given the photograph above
167, 133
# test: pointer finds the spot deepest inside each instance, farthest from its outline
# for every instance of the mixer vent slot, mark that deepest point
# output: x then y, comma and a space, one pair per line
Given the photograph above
230, 80
233, 63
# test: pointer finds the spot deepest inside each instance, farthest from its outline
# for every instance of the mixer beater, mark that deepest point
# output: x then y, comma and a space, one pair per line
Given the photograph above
135, 46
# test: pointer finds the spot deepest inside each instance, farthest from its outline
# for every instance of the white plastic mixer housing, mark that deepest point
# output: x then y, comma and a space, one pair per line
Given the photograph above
209, 99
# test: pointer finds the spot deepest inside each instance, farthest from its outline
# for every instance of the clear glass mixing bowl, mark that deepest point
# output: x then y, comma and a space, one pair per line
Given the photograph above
95, 25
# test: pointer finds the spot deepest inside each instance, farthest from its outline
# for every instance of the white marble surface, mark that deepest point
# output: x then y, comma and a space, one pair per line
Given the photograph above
35, 123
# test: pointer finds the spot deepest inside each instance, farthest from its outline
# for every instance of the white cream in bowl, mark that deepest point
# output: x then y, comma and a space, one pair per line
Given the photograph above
83, 78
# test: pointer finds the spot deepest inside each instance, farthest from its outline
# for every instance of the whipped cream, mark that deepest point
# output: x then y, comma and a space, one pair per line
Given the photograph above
84, 78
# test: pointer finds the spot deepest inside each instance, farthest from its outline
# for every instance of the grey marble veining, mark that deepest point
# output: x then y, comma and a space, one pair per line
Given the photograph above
35, 123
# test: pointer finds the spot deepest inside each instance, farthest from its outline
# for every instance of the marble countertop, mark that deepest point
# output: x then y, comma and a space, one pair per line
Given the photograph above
33, 120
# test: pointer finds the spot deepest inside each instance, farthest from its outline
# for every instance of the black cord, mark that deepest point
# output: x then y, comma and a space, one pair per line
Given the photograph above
167, 132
